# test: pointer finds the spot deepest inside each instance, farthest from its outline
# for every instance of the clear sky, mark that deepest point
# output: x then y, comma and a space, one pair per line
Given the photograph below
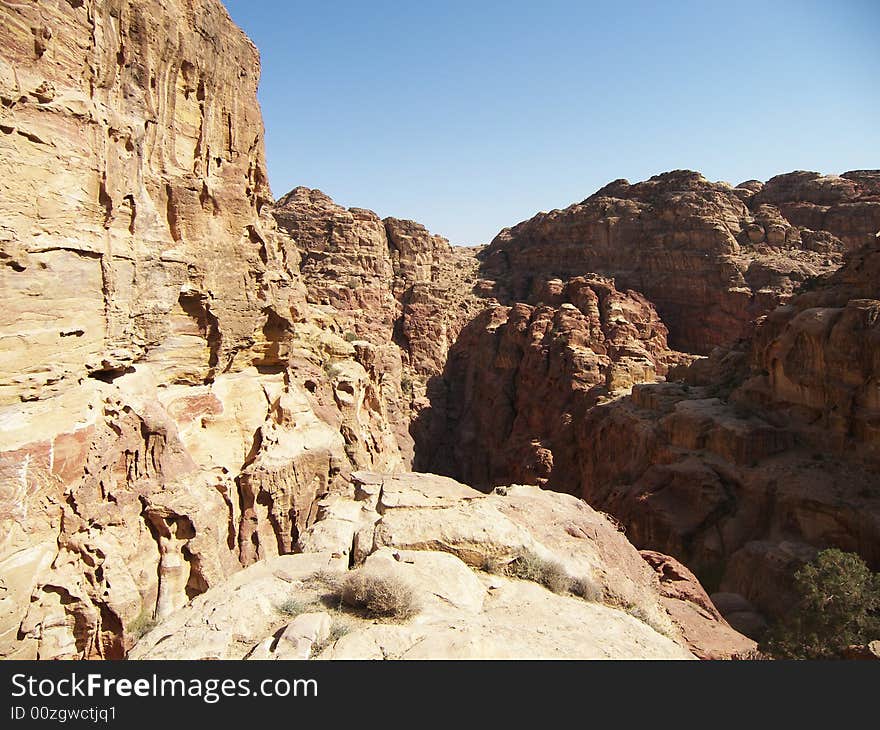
472, 116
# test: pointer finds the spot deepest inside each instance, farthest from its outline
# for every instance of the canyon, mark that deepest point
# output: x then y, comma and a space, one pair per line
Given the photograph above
208, 395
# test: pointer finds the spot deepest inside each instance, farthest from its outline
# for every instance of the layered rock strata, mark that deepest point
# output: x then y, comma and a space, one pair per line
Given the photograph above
438, 537
153, 440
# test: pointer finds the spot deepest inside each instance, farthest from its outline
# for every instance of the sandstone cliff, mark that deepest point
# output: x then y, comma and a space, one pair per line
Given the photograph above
153, 438
392, 284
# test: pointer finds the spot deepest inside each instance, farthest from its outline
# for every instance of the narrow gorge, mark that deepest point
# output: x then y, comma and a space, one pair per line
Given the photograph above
671, 388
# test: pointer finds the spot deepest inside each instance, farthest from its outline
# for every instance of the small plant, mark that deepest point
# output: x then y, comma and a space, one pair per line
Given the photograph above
588, 590
325, 578
291, 607
379, 595
494, 565
143, 624
350, 336
640, 614
331, 369
406, 386
549, 573
838, 606
338, 629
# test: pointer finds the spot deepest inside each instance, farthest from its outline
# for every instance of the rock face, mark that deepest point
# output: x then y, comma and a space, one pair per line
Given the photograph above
704, 629
189, 373
848, 207
153, 439
437, 536
520, 378
391, 281
396, 289
761, 454
710, 257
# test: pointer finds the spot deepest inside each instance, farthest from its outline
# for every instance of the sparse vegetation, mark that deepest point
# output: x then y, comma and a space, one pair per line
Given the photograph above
143, 624
350, 336
406, 386
639, 613
379, 595
838, 606
587, 589
338, 629
325, 578
549, 573
291, 607
494, 565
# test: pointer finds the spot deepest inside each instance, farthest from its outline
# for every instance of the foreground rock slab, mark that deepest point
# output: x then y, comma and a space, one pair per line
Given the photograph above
448, 544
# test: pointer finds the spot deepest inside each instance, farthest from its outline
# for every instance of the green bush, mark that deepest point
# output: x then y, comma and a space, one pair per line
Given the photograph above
838, 606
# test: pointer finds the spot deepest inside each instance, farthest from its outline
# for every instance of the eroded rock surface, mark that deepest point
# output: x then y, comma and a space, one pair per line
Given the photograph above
437, 536
519, 379
709, 256
760, 455
153, 440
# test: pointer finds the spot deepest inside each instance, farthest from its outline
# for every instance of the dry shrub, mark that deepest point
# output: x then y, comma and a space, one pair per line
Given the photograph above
549, 573
587, 589
291, 607
379, 595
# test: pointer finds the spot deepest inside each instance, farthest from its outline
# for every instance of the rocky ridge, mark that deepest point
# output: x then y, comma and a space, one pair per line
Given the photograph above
709, 256
438, 537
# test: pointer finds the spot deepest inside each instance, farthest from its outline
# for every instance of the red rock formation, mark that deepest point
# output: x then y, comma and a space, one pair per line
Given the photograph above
848, 206
401, 293
391, 280
762, 453
519, 380
703, 628
710, 257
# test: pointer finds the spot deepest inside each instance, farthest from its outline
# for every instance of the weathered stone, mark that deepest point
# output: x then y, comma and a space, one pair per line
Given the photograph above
463, 612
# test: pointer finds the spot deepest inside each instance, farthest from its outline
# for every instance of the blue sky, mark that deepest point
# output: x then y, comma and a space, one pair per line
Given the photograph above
472, 116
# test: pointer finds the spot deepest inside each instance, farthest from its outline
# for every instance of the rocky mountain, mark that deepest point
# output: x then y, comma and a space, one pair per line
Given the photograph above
711, 257
753, 458
204, 389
